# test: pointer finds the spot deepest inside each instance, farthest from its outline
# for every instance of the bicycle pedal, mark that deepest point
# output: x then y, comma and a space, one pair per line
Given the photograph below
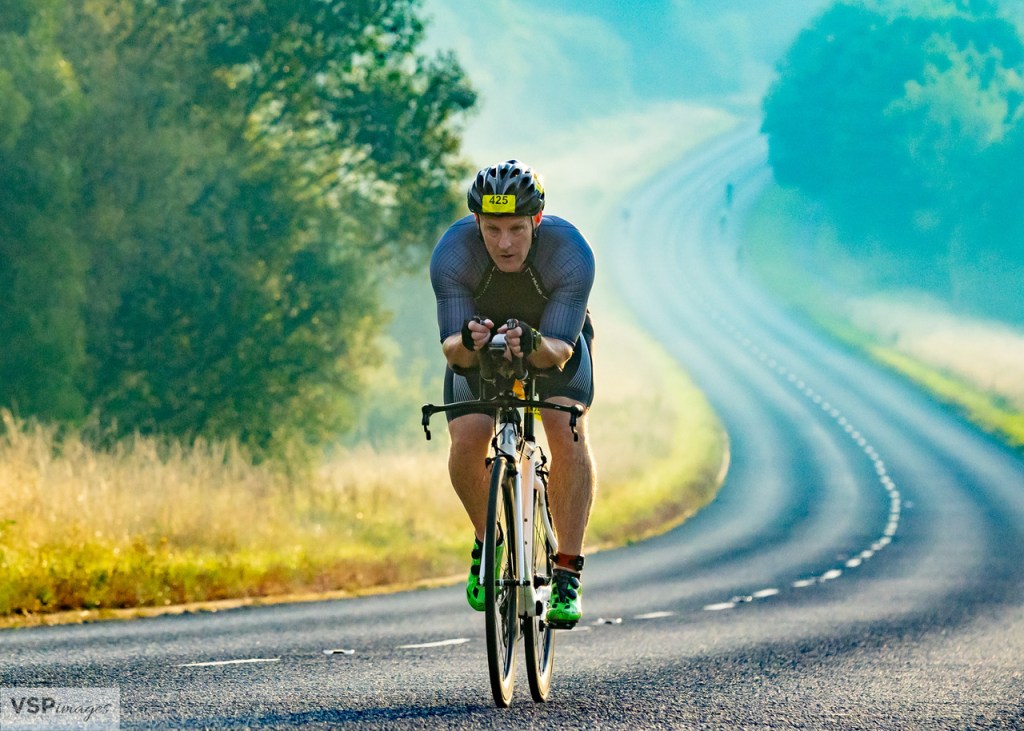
561, 625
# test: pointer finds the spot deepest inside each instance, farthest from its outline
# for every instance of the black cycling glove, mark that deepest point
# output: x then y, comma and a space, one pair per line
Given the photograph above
529, 341
467, 334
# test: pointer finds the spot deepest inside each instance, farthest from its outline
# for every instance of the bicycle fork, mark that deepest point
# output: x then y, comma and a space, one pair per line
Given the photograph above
528, 488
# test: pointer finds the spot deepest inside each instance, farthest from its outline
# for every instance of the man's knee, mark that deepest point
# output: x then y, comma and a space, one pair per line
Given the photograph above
470, 433
558, 427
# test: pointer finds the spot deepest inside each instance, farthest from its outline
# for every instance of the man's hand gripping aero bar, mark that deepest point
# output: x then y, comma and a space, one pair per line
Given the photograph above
493, 362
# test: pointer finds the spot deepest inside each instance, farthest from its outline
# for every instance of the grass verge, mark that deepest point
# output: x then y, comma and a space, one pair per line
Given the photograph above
146, 524
783, 252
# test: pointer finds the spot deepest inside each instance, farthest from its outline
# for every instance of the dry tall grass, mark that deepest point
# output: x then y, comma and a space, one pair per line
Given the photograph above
146, 523
987, 354
975, 365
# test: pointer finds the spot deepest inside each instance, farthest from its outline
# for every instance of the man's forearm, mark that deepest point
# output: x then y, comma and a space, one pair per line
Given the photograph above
456, 353
551, 353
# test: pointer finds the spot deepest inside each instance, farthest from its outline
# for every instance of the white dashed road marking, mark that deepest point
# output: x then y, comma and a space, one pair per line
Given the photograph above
719, 607
440, 643
215, 663
896, 502
654, 615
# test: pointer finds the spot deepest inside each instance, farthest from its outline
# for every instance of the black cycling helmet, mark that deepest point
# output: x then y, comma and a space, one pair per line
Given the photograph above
507, 189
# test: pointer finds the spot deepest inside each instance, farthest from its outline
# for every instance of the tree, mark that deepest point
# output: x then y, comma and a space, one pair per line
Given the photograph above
248, 175
898, 116
42, 339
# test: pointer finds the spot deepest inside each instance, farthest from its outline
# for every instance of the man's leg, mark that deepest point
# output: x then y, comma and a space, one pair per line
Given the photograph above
571, 484
471, 436
570, 495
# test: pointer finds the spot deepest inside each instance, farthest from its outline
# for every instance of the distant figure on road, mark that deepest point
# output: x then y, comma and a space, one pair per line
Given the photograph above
723, 217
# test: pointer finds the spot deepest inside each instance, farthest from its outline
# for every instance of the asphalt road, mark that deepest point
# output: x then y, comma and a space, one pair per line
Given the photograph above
861, 567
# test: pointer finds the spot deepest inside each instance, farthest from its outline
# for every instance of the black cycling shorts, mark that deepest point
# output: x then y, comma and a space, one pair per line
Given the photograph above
574, 381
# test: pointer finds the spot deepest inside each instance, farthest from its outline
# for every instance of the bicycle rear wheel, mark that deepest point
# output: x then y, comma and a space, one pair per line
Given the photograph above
538, 637
501, 612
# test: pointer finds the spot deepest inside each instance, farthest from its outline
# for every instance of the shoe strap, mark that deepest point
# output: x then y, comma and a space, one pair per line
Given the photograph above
569, 561
565, 582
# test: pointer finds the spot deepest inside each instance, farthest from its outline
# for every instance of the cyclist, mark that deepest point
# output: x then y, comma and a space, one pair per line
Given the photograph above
508, 261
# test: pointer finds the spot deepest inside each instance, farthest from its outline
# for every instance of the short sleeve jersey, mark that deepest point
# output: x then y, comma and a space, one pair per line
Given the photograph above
550, 293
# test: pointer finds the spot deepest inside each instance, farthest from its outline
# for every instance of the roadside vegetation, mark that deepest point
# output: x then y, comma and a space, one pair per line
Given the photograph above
95, 524
149, 524
201, 202
917, 113
973, 364
897, 226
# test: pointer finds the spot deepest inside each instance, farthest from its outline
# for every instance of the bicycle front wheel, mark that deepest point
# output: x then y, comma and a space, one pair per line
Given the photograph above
538, 637
501, 612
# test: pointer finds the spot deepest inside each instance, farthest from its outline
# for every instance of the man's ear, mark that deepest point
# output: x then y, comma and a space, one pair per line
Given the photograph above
536, 219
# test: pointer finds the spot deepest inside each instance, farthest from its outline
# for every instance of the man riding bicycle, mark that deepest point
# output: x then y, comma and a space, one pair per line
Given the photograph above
508, 268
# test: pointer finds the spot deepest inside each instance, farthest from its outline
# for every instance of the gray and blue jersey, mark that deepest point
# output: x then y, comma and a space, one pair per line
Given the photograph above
550, 293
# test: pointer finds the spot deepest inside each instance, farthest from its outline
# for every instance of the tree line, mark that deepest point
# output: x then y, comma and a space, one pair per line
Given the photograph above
905, 121
199, 204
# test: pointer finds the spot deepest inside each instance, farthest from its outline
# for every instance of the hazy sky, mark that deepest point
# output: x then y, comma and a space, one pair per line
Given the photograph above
561, 61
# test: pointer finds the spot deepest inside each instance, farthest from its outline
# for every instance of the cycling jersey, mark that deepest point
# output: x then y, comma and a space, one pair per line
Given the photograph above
550, 293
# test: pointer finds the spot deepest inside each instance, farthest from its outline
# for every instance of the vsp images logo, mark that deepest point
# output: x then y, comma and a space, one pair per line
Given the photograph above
82, 709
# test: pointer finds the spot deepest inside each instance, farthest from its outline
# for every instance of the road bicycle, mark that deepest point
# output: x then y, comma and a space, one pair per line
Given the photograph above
517, 589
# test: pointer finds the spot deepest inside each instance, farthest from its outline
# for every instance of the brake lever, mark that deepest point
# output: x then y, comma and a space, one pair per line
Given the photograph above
428, 410
574, 415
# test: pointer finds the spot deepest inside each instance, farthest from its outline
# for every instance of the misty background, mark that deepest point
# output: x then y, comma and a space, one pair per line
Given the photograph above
218, 222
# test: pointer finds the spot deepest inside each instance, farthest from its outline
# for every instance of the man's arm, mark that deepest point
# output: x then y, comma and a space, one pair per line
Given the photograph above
456, 353
551, 353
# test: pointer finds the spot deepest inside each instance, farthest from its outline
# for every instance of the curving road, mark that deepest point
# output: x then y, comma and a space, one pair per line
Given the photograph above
862, 567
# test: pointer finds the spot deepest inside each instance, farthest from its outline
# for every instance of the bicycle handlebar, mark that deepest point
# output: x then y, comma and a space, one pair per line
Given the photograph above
575, 411
493, 364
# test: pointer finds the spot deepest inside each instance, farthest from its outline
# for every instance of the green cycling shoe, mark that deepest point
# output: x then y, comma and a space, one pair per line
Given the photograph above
565, 606
474, 587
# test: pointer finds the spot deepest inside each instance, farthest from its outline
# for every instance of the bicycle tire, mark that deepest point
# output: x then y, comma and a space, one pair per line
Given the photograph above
500, 592
538, 636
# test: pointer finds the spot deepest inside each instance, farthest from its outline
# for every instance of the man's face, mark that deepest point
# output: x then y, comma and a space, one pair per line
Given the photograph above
508, 239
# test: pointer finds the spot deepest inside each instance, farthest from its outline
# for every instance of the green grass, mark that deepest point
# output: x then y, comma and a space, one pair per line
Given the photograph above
982, 408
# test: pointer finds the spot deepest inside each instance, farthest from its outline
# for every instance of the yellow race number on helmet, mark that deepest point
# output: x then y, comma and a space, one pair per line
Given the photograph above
499, 204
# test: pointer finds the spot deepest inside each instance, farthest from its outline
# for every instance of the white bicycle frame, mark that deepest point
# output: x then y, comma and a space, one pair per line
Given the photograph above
522, 455
523, 458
